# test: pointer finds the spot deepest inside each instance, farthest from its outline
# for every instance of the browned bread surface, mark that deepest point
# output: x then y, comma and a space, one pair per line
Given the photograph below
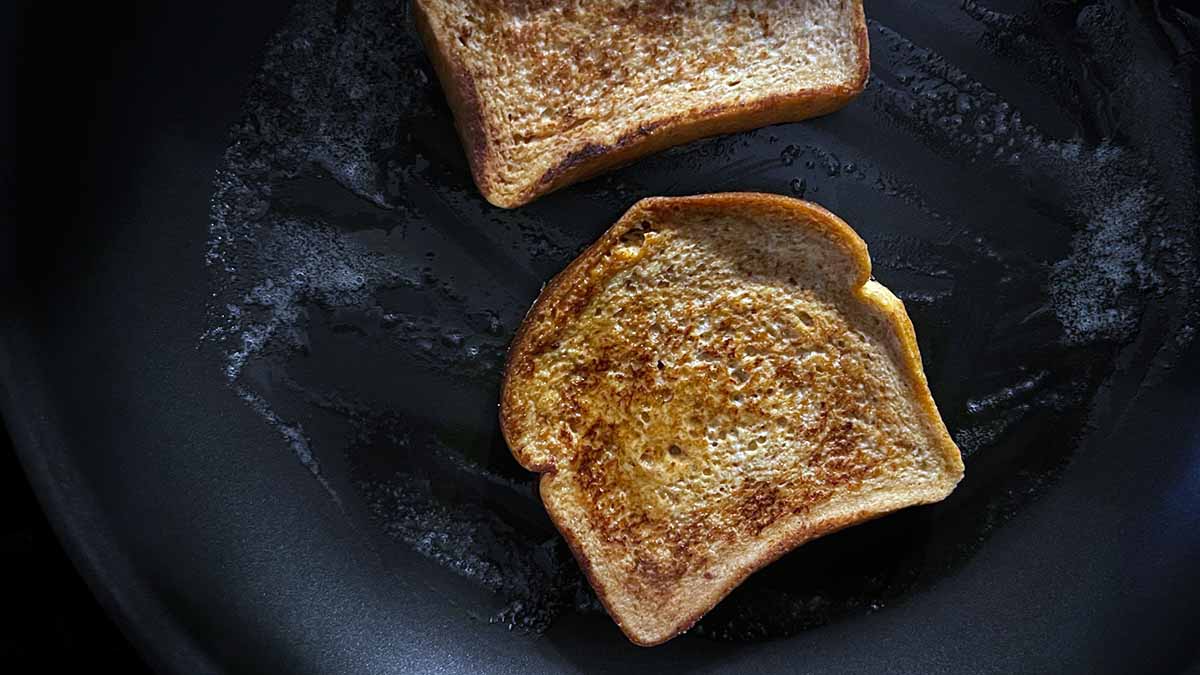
714, 382
548, 92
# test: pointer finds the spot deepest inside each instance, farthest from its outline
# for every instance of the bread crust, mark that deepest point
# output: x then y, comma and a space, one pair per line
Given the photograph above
567, 293
651, 135
462, 95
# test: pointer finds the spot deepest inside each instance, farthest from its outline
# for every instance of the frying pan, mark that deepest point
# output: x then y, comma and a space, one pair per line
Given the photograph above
256, 316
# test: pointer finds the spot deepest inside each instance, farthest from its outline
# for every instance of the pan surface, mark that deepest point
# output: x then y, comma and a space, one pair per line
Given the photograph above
260, 314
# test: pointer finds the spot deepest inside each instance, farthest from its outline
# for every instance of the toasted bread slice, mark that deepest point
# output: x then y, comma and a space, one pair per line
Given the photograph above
714, 382
548, 93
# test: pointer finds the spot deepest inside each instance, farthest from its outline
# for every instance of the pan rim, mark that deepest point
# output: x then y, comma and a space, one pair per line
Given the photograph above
76, 520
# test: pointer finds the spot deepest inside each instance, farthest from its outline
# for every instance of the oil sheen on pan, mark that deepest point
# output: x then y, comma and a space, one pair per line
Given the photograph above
1031, 212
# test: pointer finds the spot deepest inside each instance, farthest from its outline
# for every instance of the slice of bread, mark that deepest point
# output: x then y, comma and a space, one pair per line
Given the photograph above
547, 93
714, 382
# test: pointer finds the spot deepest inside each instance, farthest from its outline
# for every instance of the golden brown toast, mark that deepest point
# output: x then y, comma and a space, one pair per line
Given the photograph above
547, 92
714, 382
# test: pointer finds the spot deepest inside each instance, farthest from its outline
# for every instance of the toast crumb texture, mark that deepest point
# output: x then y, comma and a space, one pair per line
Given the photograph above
714, 382
548, 92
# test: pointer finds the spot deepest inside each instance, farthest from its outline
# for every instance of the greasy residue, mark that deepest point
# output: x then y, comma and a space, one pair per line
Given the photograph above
1023, 204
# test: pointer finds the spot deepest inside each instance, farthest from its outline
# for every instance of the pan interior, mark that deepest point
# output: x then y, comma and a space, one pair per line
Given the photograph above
1034, 214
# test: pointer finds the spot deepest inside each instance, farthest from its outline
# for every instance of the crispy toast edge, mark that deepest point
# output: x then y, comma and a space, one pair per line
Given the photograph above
648, 136
563, 293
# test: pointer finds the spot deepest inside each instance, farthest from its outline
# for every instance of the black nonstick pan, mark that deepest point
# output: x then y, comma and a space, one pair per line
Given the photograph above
256, 315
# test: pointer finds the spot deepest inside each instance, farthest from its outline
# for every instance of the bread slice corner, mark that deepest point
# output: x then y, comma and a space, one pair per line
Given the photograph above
546, 94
